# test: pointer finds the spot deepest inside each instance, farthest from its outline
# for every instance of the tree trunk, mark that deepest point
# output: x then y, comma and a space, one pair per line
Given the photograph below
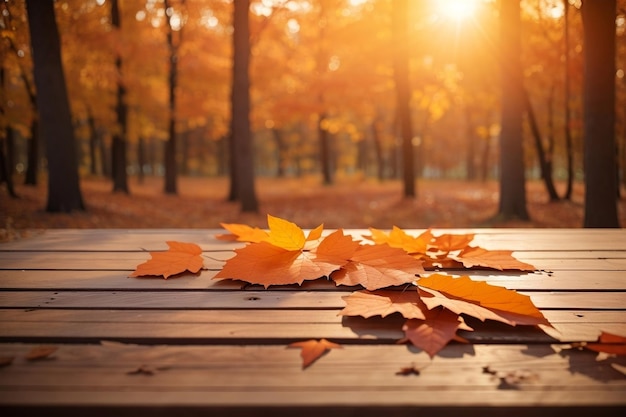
32, 153
56, 123
242, 157
403, 92
378, 147
141, 159
281, 150
470, 136
599, 107
569, 148
512, 181
93, 144
118, 147
545, 158
6, 168
325, 152
170, 145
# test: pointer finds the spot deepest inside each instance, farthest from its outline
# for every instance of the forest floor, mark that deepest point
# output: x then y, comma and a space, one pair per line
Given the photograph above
350, 203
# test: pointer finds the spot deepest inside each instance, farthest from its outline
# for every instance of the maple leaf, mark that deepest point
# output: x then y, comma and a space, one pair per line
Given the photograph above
383, 303
266, 264
378, 266
242, 233
313, 350
285, 234
464, 295
433, 332
608, 343
180, 257
336, 249
398, 238
496, 259
450, 242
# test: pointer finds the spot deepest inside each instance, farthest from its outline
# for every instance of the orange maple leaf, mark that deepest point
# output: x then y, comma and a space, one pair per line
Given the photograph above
398, 238
464, 295
435, 331
496, 259
383, 303
313, 350
180, 257
609, 343
450, 242
242, 233
378, 266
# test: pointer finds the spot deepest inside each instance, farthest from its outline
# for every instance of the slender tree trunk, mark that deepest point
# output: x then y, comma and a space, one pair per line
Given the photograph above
403, 92
6, 168
470, 137
171, 173
599, 105
63, 183
241, 148
93, 144
378, 147
325, 151
141, 159
512, 179
118, 146
569, 148
32, 153
281, 150
545, 158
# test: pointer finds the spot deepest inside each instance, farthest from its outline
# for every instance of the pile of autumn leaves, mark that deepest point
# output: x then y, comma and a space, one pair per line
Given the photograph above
391, 267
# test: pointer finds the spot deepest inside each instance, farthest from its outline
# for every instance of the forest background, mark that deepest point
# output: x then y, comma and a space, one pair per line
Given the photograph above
326, 81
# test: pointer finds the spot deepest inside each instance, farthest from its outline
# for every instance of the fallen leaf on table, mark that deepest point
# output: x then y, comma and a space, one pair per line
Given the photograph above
266, 264
398, 238
608, 343
409, 370
450, 242
242, 233
180, 257
383, 303
313, 350
40, 352
464, 295
435, 331
378, 266
495, 259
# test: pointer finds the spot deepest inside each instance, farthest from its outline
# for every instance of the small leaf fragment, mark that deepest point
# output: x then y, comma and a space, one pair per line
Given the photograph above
608, 343
313, 349
242, 233
40, 352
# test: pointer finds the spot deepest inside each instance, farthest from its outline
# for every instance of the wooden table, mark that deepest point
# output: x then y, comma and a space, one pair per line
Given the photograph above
192, 345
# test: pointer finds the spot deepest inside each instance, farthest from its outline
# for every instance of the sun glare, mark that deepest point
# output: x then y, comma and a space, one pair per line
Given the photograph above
457, 9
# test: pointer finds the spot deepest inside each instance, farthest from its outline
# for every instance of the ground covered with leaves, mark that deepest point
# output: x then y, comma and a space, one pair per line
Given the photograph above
350, 203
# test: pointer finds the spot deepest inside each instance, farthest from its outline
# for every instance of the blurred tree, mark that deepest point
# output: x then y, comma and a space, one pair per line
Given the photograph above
403, 92
118, 151
54, 110
599, 109
174, 36
512, 180
241, 150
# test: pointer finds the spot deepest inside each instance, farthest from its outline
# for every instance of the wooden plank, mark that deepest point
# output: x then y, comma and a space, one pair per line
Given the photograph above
118, 280
260, 299
154, 239
128, 261
330, 316
183, 327
272, 376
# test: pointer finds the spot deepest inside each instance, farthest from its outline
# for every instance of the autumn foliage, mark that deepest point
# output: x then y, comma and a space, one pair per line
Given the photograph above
395, 274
